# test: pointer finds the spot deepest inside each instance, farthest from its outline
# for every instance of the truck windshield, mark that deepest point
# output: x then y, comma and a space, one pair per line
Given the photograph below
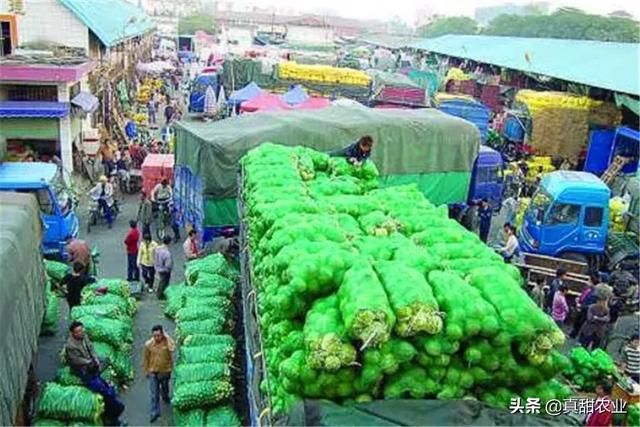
62, 192
540, 203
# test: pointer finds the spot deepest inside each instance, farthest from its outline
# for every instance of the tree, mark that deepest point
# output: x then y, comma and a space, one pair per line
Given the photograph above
566, 23
196, 22
450, 25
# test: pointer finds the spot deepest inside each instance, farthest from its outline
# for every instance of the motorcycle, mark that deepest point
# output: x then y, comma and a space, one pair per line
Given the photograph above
163, 219
96, 212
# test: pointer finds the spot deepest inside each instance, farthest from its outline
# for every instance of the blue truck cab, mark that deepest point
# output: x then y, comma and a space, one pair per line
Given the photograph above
199, 90
568, 216
487, 178
45, 182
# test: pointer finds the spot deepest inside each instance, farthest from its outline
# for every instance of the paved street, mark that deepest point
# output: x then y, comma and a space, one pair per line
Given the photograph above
150, 312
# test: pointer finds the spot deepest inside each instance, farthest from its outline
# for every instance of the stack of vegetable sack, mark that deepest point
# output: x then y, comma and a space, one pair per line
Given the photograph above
203, 309
561, 121
323, 74
50, 319
107, 311
371, 293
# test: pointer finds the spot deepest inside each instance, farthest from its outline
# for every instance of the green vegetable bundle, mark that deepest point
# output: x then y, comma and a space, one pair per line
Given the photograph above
112, 331
206, 353
177, 296
587, 369
50, 319
411, 299
70, 403
364, 306
222, 416
110, 311
325, 337
377, 223
56, 270
223, 286
112, 286
205, 371
128, 305
200, 308
202, 393
209, 326
212, 264
189, 417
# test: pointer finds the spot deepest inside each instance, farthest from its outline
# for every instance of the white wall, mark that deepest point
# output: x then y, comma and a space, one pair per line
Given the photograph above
49, 20
309, 35
243, 35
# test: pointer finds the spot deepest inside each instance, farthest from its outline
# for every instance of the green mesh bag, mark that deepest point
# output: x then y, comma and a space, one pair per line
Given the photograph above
222, 416
214, 264
113, 286
212, 326
200, 308
56, 270
50, 319
205, 371
189, 417
112, 331
128, 305
70, 402
199, 340
110, 311
220, 353
200, 394
48, 422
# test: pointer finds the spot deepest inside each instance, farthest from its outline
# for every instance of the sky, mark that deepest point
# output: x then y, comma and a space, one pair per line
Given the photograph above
406, 9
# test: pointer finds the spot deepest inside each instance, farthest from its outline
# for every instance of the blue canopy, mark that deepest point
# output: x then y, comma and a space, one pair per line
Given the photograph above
247, 93
36, 109
296, 95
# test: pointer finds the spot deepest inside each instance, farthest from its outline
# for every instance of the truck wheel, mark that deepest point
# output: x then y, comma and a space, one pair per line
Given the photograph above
574, 256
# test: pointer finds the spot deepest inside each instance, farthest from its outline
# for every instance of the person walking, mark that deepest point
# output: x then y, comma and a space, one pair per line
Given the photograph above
146, 255
83, 361
131, 243
596, 326
151, 108
74, 282
157, 362
163, 263
145, 213
191, 247
560, 309
484, 215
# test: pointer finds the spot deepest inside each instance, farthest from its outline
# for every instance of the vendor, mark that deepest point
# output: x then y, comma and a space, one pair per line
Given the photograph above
511, 247
358, 152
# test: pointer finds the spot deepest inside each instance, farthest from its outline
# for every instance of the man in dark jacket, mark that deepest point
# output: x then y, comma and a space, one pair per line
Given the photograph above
358, 152
74, 282
82, 359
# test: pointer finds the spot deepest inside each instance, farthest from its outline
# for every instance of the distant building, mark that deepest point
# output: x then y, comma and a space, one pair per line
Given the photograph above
310, 29
46, 102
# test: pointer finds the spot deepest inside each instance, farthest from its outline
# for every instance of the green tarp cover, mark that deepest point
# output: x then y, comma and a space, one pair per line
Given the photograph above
386, 79
414, 413
440, 188
406, 141
22, 297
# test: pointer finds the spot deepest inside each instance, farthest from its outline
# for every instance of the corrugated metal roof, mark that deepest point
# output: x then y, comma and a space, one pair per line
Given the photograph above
111, 20
606, 65
33, 109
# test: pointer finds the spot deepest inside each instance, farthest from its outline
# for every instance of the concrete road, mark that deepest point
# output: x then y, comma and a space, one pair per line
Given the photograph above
150, 312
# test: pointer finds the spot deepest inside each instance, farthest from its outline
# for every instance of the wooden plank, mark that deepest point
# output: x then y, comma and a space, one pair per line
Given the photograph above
555, 263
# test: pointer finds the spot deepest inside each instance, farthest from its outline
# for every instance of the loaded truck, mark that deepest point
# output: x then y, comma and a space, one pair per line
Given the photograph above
57, 207
605, 145
568, 218
439, 153
22, 305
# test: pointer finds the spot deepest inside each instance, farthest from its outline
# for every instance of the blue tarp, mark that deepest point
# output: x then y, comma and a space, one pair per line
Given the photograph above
33, 109
86, 101
245, 94
296, 95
